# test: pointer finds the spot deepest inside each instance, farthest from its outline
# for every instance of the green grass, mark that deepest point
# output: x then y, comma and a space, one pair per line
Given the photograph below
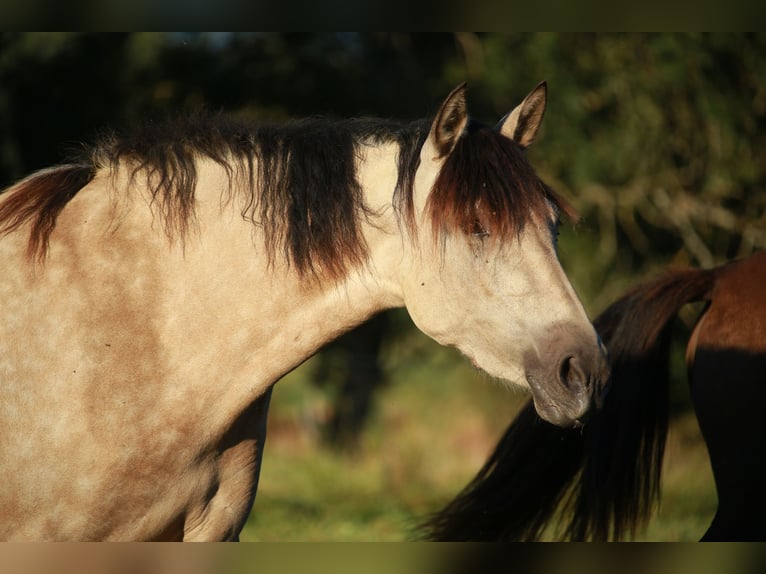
433, 426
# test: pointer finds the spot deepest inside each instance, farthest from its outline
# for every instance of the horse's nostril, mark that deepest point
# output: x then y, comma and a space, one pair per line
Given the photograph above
571, 374
564, 371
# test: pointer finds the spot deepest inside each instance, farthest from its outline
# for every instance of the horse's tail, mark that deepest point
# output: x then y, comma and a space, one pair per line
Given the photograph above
619, 482
606, 478
38, 199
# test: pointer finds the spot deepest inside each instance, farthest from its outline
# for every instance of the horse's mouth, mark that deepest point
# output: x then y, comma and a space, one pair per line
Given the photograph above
563, 409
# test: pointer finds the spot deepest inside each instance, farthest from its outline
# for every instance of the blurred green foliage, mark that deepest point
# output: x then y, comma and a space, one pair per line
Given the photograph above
658, 139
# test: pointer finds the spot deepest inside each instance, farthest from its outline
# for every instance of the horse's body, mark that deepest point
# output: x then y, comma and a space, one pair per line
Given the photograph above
727, 376
152, 295
606, 479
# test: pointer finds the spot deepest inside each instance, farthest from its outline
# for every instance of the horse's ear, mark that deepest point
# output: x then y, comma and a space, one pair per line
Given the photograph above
522, 124
450, 122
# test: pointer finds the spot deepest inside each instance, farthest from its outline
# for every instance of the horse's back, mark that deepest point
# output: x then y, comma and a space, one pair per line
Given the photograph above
728, 388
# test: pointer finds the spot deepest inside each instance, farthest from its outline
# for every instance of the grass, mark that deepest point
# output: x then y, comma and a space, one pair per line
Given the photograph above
432, 428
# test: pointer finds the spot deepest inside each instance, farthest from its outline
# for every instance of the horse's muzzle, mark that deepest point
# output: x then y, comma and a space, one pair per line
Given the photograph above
568, 376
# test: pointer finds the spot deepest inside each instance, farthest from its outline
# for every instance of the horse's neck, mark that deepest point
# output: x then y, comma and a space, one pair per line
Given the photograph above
278, 318
383, 233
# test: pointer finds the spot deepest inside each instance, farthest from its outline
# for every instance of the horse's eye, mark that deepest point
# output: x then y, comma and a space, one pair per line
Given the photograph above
478, 230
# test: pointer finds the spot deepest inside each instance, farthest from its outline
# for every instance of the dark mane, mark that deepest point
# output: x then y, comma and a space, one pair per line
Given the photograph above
298, 182
488, 187
38, 200
298, 178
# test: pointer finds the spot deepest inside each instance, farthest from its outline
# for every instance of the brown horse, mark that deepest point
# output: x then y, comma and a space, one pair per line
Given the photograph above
154, 292
606, 479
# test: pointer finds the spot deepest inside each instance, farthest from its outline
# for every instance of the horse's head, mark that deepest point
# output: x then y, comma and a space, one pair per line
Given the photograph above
484, 275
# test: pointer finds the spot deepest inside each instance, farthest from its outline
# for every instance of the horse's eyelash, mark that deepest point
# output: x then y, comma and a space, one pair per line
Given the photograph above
478, 230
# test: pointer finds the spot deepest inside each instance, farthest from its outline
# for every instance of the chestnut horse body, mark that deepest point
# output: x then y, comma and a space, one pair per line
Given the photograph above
726, 357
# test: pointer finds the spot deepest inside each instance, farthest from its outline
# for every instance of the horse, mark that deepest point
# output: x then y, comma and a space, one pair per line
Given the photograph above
604, 482
156, 288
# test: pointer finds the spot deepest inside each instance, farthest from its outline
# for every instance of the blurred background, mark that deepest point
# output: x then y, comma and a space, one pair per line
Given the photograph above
658, 140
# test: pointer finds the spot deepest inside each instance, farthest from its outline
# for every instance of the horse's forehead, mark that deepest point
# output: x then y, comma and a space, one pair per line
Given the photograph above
487, 181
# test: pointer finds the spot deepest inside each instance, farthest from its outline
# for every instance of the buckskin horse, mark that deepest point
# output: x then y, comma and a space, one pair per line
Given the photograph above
603, 482
153, 292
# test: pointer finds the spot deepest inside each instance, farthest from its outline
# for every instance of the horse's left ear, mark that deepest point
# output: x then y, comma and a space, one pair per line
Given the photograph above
450, 122
523, 123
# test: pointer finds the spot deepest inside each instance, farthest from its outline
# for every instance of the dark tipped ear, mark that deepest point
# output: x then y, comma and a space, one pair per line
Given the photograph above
450, 121
523, 123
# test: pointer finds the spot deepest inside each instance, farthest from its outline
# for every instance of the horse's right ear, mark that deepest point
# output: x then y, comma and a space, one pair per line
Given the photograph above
450, 122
